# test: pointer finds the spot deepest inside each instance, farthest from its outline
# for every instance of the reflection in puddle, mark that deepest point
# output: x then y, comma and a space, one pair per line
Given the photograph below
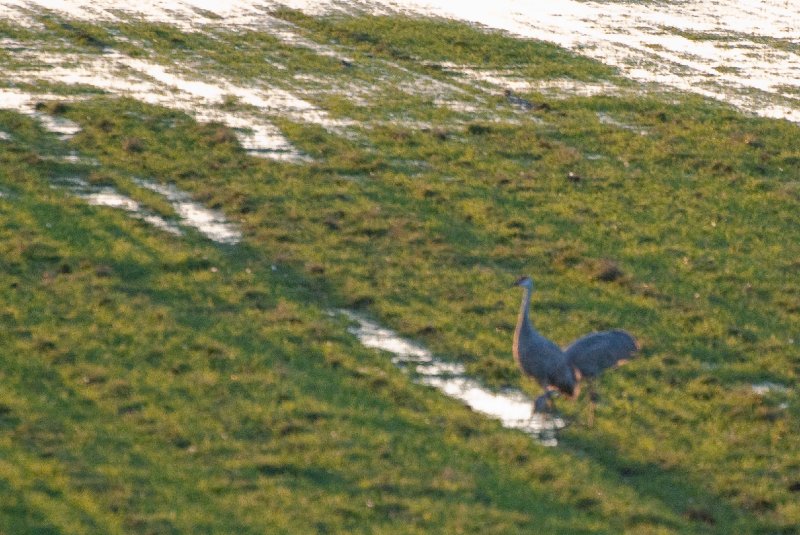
512, 407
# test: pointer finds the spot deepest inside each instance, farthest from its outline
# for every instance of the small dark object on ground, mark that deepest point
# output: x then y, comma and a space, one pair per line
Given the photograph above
608, 271
697, 514
525, 104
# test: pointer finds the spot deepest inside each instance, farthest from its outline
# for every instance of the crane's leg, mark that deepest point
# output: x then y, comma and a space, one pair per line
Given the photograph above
593, 397
544, 403
539, 405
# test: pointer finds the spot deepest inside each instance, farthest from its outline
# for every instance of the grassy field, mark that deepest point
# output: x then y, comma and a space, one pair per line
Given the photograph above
157, 384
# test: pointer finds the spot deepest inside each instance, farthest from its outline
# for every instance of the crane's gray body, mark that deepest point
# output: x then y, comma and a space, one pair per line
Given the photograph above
596, 352
538, 357
559, 370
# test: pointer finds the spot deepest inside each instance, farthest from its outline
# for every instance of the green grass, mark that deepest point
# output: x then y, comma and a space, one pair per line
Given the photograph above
161, 384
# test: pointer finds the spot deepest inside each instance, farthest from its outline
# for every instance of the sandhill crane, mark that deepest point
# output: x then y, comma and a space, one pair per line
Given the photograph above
558, 370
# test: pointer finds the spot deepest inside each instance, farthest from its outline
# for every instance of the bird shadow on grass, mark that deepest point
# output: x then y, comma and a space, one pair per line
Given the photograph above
693, 508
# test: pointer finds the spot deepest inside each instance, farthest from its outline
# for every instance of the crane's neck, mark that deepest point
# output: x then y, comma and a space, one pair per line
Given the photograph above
524, 308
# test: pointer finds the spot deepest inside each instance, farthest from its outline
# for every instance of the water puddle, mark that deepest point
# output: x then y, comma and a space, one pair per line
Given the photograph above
287, 33
502, 79
108, 196
740, 53
565, 87
206, 100
211, 223
26, 104
75, 158
768, 388
605, 118
65, 128
762, 389
512, 407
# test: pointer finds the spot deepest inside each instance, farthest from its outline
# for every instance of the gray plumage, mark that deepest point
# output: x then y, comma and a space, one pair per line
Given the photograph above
560, 371
596, 352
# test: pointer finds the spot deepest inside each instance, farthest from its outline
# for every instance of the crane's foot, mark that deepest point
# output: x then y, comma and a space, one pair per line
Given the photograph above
542, 405
544, 416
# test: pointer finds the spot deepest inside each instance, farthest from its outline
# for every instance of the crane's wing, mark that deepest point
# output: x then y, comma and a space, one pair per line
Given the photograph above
595, 352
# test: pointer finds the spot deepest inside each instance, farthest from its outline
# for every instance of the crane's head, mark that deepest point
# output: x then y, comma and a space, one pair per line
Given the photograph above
525, 282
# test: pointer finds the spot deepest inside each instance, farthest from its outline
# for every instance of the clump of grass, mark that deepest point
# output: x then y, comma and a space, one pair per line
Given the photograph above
607, 271
441, 40
133, 145
83, 34
52, 107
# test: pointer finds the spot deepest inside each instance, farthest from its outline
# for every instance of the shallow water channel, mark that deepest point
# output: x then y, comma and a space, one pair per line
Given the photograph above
512, 407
